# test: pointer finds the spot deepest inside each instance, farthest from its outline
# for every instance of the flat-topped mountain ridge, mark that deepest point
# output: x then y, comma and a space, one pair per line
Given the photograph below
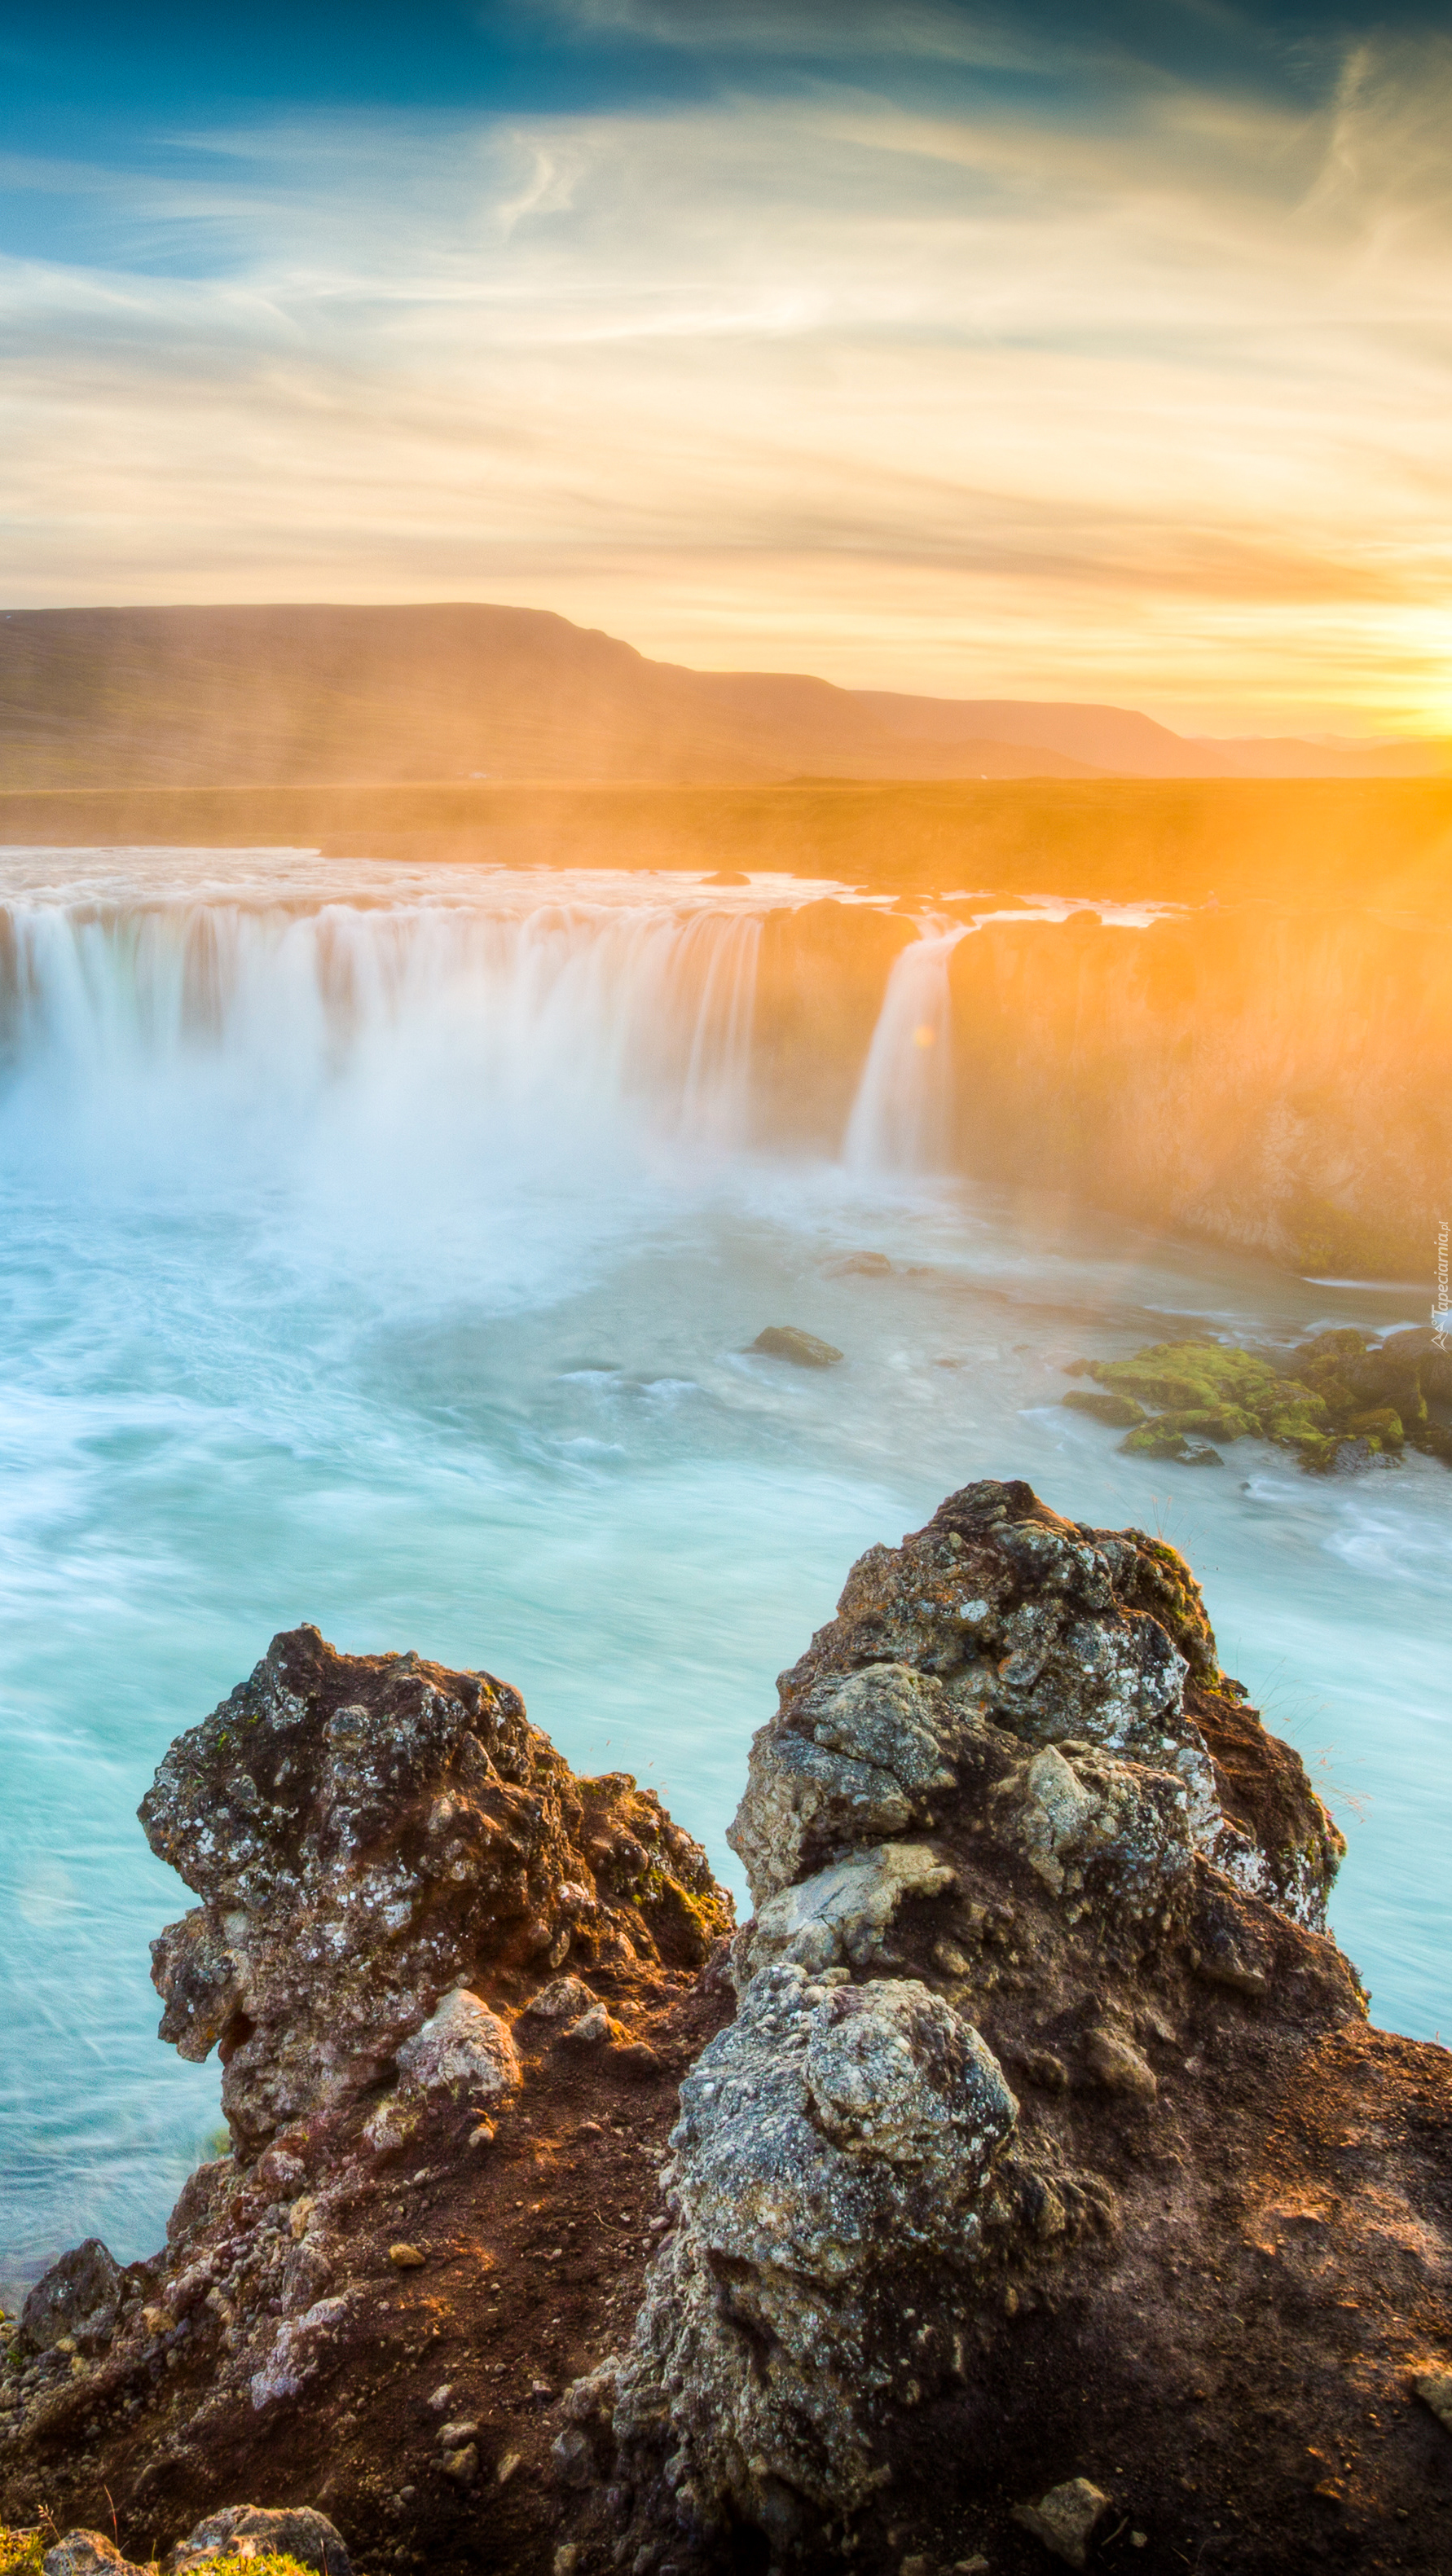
314, 694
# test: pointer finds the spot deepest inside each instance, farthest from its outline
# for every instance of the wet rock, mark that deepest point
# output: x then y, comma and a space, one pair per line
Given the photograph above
78, 2296
1120, 1412
1341, 1402
292, 2531
804, 1350
1066, 2519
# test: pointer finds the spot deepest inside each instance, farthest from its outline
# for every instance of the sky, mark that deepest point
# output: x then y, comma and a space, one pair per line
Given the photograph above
1085, 351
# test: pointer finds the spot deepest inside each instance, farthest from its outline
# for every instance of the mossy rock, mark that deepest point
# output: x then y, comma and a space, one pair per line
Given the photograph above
1383, 1424
1331, 1389
1318, 1450
1162, 1440
1211, 1422
1119, 1411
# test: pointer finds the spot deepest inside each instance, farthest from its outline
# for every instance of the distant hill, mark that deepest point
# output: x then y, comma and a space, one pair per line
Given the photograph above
330, 696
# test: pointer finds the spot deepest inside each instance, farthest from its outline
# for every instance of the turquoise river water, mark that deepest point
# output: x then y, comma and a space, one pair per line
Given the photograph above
380, 1248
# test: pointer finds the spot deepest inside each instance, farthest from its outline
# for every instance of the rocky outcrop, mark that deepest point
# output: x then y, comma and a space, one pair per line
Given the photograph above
367, 1834
1023, 2183
970, 2199
453, 1986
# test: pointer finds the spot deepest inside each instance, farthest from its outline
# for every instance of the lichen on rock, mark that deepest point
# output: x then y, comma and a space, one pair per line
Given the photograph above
364, 1832
986, 1831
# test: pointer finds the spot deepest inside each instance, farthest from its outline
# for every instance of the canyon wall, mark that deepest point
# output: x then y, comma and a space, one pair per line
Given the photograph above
1280, 1079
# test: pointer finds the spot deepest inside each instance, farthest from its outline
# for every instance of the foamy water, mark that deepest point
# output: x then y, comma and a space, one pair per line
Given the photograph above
381, 1247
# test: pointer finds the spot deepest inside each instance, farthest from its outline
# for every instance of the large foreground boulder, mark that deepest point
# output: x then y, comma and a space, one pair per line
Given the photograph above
1049, 2184
369, 1833
454, 1988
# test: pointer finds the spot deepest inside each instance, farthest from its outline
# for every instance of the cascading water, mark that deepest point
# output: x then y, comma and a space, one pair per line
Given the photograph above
383, 1246
900, 1117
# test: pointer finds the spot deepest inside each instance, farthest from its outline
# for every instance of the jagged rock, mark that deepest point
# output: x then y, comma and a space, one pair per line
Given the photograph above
364, 1831
1050, 2131
78, 2296
292, 2531
1341, 1402
989, 1828
828, 2138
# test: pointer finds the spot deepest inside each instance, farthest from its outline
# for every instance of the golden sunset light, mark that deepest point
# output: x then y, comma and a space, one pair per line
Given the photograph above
1142, 398
726, 1288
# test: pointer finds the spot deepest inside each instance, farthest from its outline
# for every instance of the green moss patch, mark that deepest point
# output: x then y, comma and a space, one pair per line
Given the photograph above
21, 2552
1177, 1398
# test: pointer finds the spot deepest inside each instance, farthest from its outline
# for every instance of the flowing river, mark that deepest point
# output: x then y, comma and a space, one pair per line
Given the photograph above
381, 1247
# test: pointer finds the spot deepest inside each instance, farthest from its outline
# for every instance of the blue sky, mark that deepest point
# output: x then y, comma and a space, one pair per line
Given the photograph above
1082, 350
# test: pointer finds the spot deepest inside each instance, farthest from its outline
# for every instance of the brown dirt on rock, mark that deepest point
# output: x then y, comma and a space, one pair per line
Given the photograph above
534, 2248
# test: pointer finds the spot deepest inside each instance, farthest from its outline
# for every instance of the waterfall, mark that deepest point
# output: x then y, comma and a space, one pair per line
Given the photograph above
900, 1117
546, 1022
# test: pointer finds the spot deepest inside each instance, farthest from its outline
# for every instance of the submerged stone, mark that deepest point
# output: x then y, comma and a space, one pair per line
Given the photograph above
804, 1350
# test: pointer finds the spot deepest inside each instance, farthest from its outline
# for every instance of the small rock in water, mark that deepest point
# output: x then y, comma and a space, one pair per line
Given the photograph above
863, 1265
784, 1342
1121, 1412
727, 877
1065, 2519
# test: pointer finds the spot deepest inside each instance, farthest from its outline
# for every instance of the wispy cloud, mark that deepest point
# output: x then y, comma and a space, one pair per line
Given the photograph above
1150, 409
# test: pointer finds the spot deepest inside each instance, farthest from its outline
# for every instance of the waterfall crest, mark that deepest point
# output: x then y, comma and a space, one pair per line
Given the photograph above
557, 1018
